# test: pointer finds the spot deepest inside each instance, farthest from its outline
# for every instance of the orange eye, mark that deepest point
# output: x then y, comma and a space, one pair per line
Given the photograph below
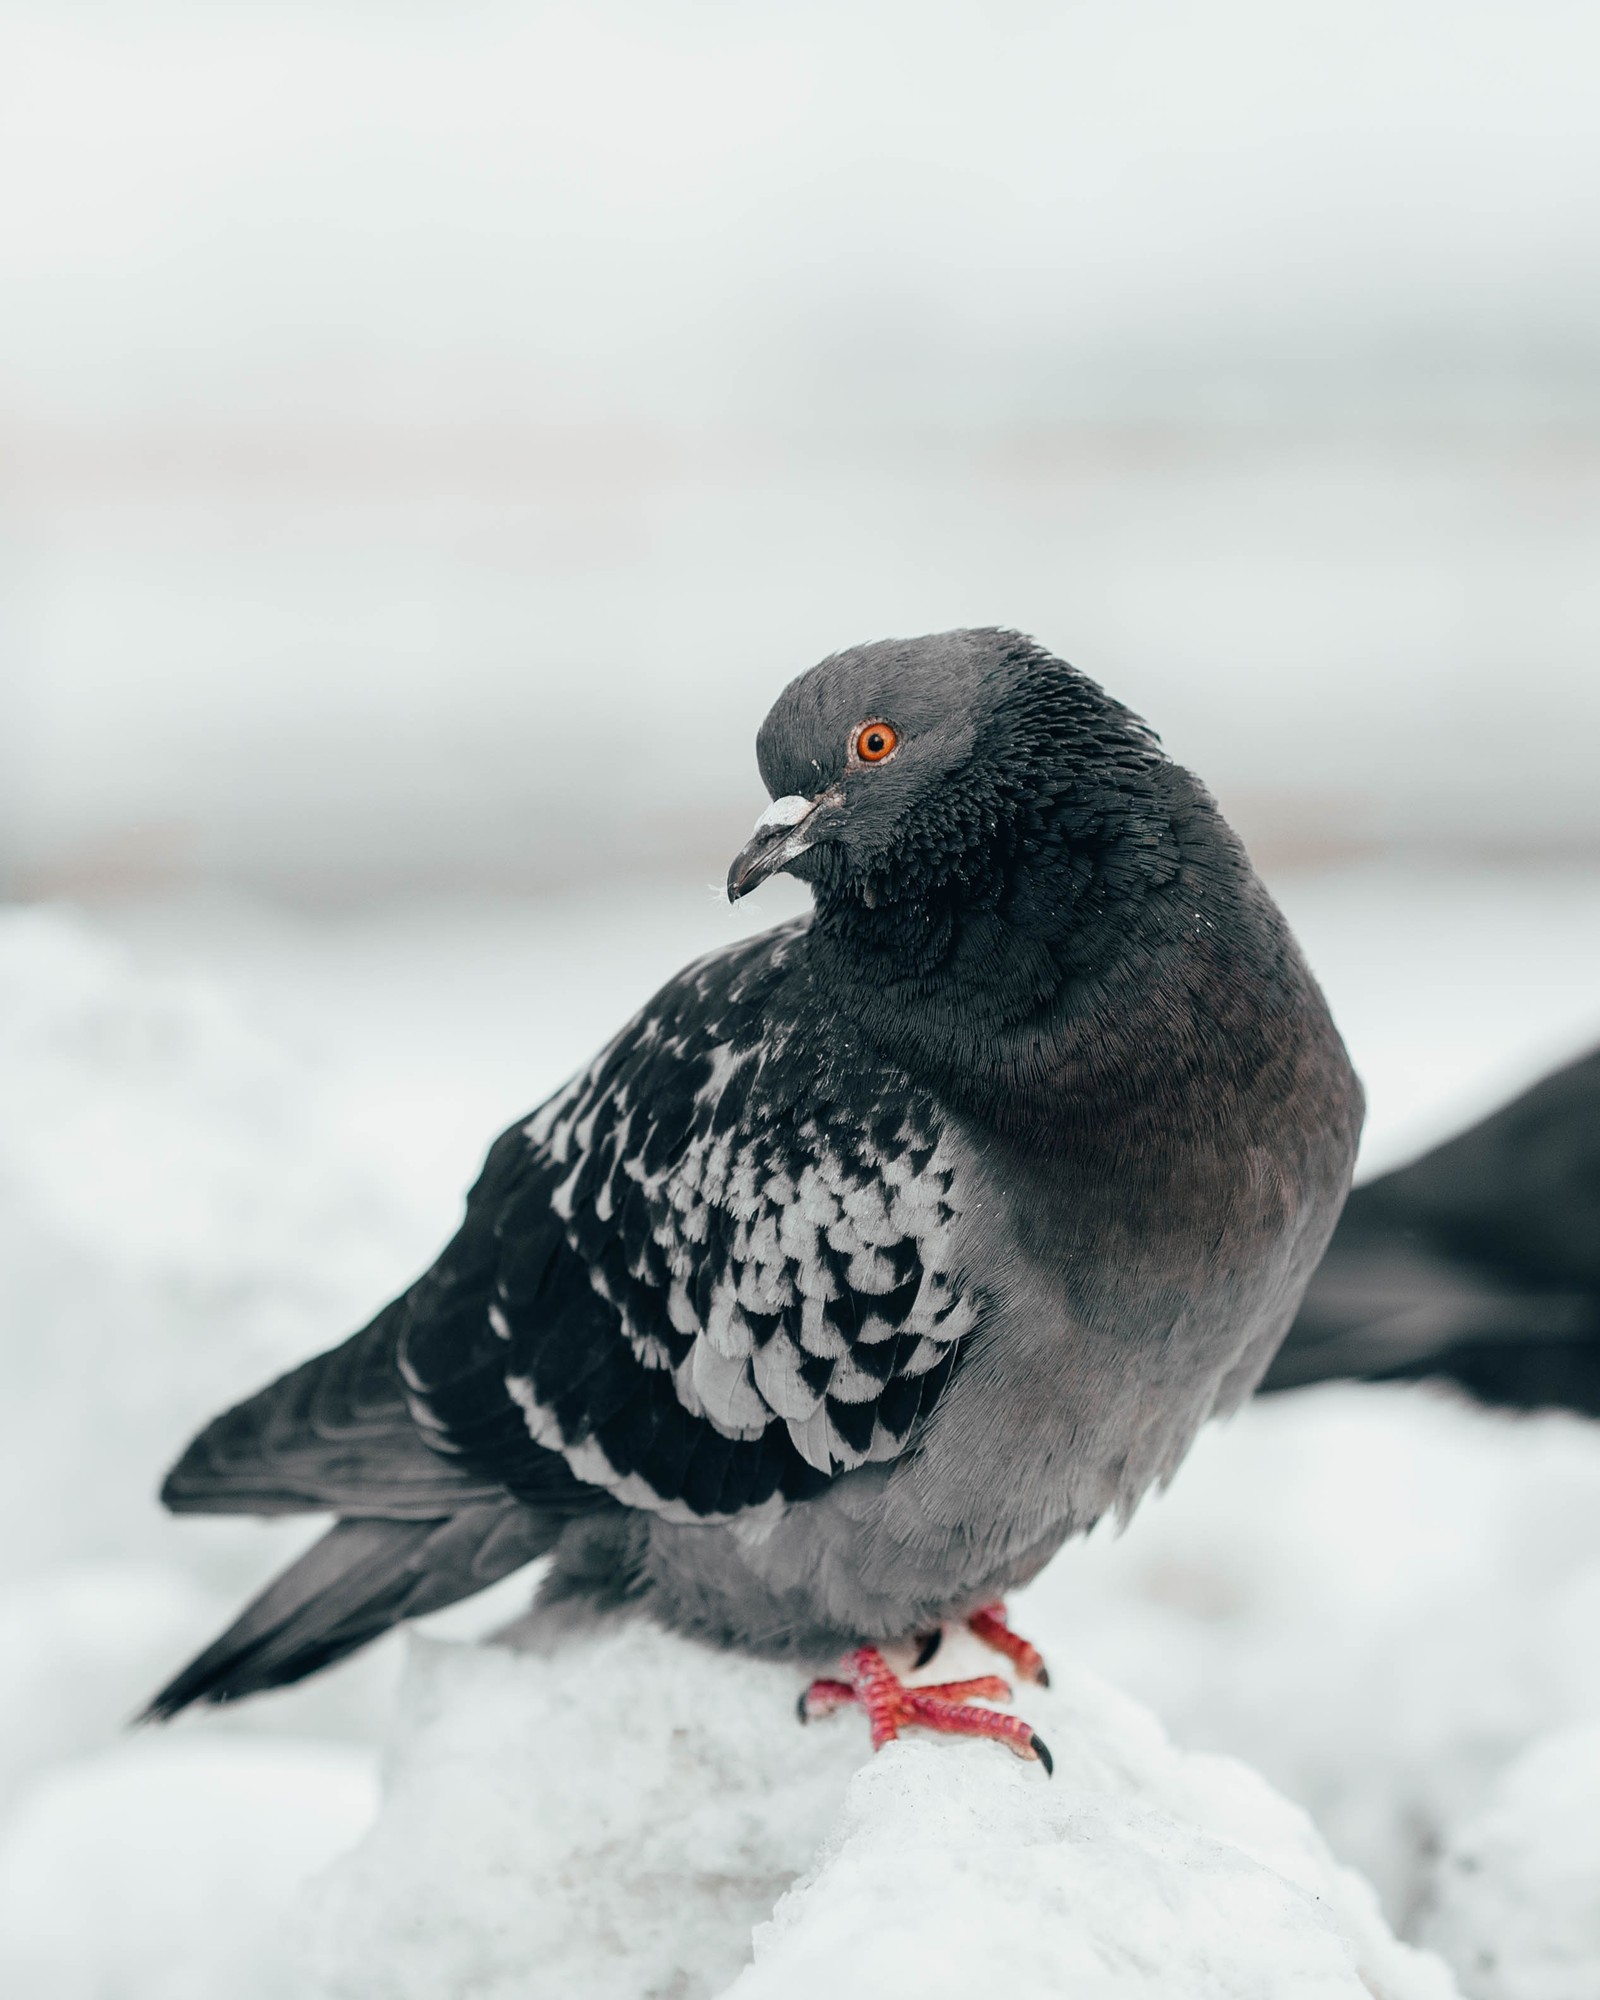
875, 741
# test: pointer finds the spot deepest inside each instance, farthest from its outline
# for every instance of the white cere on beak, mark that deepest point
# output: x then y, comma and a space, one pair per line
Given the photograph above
784, 832
787, 811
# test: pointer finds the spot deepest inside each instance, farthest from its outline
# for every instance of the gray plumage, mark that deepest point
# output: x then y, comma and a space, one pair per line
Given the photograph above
878, 1254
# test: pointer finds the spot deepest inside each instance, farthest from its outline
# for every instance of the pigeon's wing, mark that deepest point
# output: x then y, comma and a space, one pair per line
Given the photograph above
722, 1260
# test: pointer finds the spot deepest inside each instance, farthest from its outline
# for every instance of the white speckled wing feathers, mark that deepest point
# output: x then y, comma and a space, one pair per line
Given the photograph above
748, 1286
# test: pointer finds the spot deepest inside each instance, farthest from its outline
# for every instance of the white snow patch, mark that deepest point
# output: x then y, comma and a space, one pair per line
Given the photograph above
163, 1870
613, 1817
1377, 1596
1516, 1898
608, 1820
178, 1222
78, 1645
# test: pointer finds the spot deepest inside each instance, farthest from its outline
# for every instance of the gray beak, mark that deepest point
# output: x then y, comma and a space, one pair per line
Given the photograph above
780, 835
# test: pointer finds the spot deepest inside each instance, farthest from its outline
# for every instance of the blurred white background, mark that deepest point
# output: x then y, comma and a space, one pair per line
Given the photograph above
429, 437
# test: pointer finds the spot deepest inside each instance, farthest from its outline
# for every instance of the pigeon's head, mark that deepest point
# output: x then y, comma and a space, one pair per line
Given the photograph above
903, 767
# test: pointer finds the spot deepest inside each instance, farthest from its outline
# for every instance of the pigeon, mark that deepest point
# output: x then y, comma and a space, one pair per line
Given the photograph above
878, 1254
1478, 1264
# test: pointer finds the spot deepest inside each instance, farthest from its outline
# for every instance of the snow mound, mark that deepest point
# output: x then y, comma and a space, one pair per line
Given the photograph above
1378, 1597
179, 1221
1516, 1903
163, 1870
176, 1225
1140, 1870
613, 1815
76, 1643
609, 1820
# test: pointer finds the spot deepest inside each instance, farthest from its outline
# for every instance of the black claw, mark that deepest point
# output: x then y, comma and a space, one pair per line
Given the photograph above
1041, 1750
927, 1646
800, 1708
1042, 1677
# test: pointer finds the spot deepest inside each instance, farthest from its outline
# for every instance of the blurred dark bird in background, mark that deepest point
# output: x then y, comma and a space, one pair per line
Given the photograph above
1478, 1264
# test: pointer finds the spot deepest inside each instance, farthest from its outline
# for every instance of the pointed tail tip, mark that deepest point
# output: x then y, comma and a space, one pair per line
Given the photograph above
159, 1708
166, 1703
209, 1680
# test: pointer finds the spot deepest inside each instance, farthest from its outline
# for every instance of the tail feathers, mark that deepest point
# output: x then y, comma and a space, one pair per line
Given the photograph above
362, 1577
332, 1436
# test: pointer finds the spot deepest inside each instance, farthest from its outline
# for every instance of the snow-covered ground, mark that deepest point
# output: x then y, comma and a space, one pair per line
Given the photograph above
679, 1804
229, 1133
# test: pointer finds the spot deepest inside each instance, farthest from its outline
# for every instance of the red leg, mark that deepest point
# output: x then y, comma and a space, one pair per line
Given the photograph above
948, 1707
990, 1625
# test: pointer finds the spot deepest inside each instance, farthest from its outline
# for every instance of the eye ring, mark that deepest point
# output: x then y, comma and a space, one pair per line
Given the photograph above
875, 741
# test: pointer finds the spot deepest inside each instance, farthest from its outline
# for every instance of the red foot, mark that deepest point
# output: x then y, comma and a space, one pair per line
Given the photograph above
949, 1708
991, 1627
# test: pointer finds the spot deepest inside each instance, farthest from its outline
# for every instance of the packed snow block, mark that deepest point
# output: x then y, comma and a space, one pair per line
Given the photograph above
1516, 1895
608, 1820
615, 1816
1139, 1873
